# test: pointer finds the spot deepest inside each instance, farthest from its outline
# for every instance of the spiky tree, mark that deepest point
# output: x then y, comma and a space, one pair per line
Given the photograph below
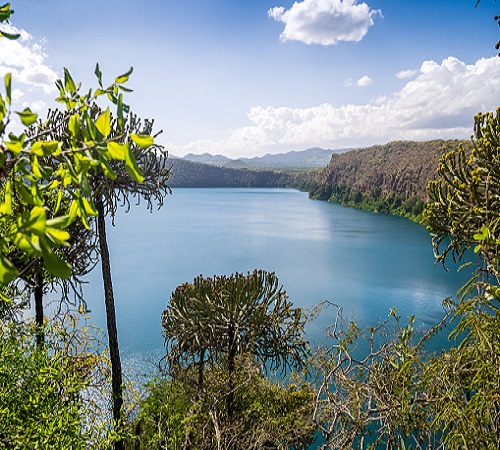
222, 317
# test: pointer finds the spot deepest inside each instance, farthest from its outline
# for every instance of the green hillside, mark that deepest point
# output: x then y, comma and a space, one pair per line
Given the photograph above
192, 174
388, 178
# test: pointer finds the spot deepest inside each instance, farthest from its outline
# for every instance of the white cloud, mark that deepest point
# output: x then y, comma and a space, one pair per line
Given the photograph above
325, 22
406, 74
25, 59
439, 103
36, 106
364, 81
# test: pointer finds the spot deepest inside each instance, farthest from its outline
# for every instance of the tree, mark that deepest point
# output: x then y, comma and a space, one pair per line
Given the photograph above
61, 158
464, 213
216, 319
387, 391
45, 399
140, 171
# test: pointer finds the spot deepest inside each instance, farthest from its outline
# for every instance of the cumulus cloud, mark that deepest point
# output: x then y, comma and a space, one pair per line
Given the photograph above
406, 74
325, 22
439, 103
25, 59
364, 81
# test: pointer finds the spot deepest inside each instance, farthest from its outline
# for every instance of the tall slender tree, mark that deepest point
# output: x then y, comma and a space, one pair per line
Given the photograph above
139, 171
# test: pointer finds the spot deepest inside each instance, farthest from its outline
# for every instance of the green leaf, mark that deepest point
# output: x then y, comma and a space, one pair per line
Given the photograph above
7, 271
15, 147
132, 167
10, 36
117, 151
27, 117
8, 87
125, 89
58, 236
37, 220
53, 263
103, 123
98, 74
74, 125
143, 141
6, 205
69, 84
45, 148
58, 222
98, 92
119, 111
124, 77
106, 168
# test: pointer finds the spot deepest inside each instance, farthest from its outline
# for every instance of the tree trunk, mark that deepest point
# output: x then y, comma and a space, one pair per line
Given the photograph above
201, 364
114, 351
40, 335
231, 356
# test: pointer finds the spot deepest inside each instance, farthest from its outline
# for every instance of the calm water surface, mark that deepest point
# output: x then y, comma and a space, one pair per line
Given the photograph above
366, 263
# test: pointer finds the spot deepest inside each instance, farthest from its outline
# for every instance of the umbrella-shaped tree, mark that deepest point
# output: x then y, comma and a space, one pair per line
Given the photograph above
216, 319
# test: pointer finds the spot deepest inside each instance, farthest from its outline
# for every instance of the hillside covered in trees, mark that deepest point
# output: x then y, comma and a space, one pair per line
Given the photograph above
192, 174
388, 178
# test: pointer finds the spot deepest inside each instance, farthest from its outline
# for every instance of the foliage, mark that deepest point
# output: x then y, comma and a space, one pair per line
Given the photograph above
35, 165
382, 389
43, 400
371, 392
464, 213
267, 414
213, 321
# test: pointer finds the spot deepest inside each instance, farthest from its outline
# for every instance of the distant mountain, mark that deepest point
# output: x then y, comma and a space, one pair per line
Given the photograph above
390, 178
296, 160
207, 158
311, 158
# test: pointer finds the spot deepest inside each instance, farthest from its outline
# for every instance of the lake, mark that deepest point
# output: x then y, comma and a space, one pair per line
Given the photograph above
366, 263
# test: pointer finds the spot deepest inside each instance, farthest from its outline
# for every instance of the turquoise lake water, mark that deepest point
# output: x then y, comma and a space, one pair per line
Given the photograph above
366, 263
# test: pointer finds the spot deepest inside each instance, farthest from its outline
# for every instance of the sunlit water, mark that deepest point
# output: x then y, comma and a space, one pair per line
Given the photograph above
366, 263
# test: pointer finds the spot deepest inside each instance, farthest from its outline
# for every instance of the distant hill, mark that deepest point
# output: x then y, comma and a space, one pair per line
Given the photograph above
296, 160
191, 174
385, 178
207, 158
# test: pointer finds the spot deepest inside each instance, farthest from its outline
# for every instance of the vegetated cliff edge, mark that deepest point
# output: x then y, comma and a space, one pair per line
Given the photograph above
390, 178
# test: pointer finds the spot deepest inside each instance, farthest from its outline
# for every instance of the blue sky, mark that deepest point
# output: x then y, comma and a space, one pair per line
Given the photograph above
249, 77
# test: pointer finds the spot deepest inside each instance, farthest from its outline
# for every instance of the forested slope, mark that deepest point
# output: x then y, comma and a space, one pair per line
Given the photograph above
191, 174
384, 178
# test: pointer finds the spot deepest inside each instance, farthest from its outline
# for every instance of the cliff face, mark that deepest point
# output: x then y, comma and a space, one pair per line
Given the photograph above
386, 178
